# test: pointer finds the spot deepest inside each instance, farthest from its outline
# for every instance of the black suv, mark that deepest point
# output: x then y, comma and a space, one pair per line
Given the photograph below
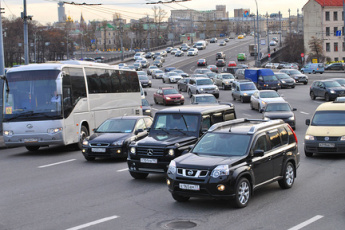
172, 133
220, 55
233, 159
335, 66
328, 89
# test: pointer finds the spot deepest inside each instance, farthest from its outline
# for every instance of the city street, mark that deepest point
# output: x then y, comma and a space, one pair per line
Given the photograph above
56, 188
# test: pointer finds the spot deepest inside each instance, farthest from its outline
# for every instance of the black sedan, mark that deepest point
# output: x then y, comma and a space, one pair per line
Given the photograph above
202, 62
179, 53
280, 110
220, 63
111, 138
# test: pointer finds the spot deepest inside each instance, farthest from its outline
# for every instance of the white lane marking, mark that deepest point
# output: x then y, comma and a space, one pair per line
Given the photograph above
62, 162
304, 112
305, 223
154, 109
93, 223
246, 115
319, 102
121, 170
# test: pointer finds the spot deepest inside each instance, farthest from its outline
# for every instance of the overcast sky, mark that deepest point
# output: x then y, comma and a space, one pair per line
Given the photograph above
45, 11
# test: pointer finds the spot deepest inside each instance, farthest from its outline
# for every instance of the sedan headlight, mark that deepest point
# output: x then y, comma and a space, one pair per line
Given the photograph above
309, 137
245, 94
283, 81
332, 91
220, 170
132, 150
150, 82
85, 142
117, 143
264, 102
291, 118
182, 97
168, 98
172, 167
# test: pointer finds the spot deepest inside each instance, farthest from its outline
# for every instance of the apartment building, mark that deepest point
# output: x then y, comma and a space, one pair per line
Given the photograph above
322, 19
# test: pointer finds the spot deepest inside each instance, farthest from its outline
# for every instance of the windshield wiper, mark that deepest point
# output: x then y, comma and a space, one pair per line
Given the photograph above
163, 129
24, 114
180, 130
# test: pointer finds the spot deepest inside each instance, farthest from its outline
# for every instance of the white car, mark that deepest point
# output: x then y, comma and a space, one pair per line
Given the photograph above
273, 43
157, 74
192, 52
171, 77
260, 98
139, 55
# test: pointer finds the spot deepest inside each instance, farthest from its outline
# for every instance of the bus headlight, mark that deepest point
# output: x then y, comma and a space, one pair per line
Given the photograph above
54, 130
8, 132
171, 152
133, 150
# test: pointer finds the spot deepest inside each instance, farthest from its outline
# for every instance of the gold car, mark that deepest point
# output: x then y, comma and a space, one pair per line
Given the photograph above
240, 36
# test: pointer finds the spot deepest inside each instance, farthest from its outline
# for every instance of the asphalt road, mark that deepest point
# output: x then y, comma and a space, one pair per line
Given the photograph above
56, 188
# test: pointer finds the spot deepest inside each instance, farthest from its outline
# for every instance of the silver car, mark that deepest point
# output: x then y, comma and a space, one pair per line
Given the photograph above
157, 74
260, 98
202, 85
224, 80
171, 77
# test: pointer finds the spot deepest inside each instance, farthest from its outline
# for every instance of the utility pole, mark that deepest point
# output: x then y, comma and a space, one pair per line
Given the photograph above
25, 17
258, 64
289, 23
344, 23
192, 27
297, 21
148, 35
121, 39
268, 35
280, 23
2, 59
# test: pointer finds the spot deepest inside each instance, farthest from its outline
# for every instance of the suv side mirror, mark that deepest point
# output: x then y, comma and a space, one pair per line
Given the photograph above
294, 109
259, 153
261, 110
307, 122
138, 131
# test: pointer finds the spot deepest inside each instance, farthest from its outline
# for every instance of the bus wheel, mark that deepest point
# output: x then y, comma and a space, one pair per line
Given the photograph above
83, 134
32, 148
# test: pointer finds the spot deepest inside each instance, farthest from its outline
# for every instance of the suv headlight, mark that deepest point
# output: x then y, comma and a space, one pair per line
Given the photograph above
309, 137
220, 170
117, 143
332, 91
132, 150
201, 89
342, 138
291, 118
172, 167
267, 118
171, 152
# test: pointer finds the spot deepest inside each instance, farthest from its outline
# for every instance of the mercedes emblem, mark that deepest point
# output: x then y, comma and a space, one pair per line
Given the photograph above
150, 152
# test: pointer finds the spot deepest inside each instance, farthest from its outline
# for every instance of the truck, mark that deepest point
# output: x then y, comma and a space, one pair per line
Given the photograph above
232, 35
253, 50
201, 45
262, 78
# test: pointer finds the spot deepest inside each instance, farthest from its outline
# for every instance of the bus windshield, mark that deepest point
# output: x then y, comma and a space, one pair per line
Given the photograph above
32, 95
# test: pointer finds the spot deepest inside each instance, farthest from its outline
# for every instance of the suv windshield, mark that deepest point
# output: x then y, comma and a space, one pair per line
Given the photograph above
222, 144
247, 87
329, 118
332, 84
228, 76
204, 82
295, 72
179, 122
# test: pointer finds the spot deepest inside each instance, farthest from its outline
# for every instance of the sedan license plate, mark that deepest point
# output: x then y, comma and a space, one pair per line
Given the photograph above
30, 140
327, 145
148, 160
189, 187
98, 150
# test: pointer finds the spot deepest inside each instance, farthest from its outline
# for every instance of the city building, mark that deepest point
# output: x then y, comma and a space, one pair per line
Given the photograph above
324, 19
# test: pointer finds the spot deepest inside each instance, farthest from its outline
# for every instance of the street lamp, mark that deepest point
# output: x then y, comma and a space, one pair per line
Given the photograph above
258, 64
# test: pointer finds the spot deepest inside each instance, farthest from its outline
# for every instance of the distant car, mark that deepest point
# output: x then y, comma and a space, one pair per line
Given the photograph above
121, 65
210, 75
328, 89
201, 71
180, 72
313, 68
149, 55
150, 69
260, 98
224, 80
290, 66
168, 69
296, 75
335, 66
222, 43
197, 99
232, 63
171, 77
226, 39
220, 55
160, 58
158, 63
273, 43
99, 59
88, 59
269, 65
280, 110
241, 57
192, 52
174, 50
157, 74
220, 63
168, 49
275, 39
179, 53
138, 55
185, 48
137, 66
182, 85
201, 62
213, 68
146, 107
167, 96
213, 40
341, 81
202, 85
111, 138
242, 90
145, 81
240, 36
144, 63
132, 67
285, 80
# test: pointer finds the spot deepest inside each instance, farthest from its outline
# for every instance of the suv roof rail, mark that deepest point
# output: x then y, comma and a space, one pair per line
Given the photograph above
225, 123
263, 125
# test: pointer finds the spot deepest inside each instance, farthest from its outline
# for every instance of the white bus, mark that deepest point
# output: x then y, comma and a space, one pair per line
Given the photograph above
61, 103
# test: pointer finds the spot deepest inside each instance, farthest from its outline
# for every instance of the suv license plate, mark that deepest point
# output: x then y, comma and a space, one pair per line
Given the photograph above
327, 145
98, 150
189, 187
148, 160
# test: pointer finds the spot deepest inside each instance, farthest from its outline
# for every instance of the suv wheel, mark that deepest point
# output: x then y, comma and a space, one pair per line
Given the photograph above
217, 95
233, 97
242, 195
189, 93
327, 97
308, 154
138, 175
242, 99
314, 72
90, 158
302, 71
179, 198
288, 176
251, 106
312, 95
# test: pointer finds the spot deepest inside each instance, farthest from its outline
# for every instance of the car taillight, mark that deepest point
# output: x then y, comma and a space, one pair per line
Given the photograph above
294, 134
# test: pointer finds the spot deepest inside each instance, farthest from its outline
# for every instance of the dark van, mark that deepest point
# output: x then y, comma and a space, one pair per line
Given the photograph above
172, 133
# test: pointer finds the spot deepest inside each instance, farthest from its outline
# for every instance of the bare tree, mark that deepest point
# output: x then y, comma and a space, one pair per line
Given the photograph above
158, 15
293, 49
316, 49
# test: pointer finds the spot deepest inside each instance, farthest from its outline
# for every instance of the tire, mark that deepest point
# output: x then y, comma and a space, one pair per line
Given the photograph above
308, 154
216, 95
138, 176
314, 72
293, 86
288, 176
83, 134
242, 193
179, 198
163, 80
305, 83
233, 98
312, 95
190, 93
156, 102
241, 99
251, 106
32, 148
182, 103
90, 158
302, 71
327, 97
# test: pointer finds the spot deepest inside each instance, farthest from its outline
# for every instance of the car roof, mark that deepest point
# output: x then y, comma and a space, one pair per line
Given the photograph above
334, 106
127, 117
194, 109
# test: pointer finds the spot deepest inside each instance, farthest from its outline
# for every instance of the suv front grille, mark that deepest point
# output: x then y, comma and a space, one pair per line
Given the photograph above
192, 173
149, 151
330, 138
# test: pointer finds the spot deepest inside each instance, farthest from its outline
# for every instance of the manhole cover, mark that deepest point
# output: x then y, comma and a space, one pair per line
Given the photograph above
181, 224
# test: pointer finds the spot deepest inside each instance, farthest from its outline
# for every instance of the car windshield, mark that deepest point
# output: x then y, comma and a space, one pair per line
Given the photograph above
136, 64
170, 91
282, 76
228, 76
295, 72
277, 107
269, 94
172, 74
270, 78
341, 81
178, 122
159, 71
204, 82
144, 102
141, 73
247, 87
178, 71
332, 84
329, 118
117, 126
211, 74
222, 144
143, 77
206, 100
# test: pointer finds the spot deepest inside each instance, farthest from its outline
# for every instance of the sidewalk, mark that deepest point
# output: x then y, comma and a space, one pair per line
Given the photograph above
2, 143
